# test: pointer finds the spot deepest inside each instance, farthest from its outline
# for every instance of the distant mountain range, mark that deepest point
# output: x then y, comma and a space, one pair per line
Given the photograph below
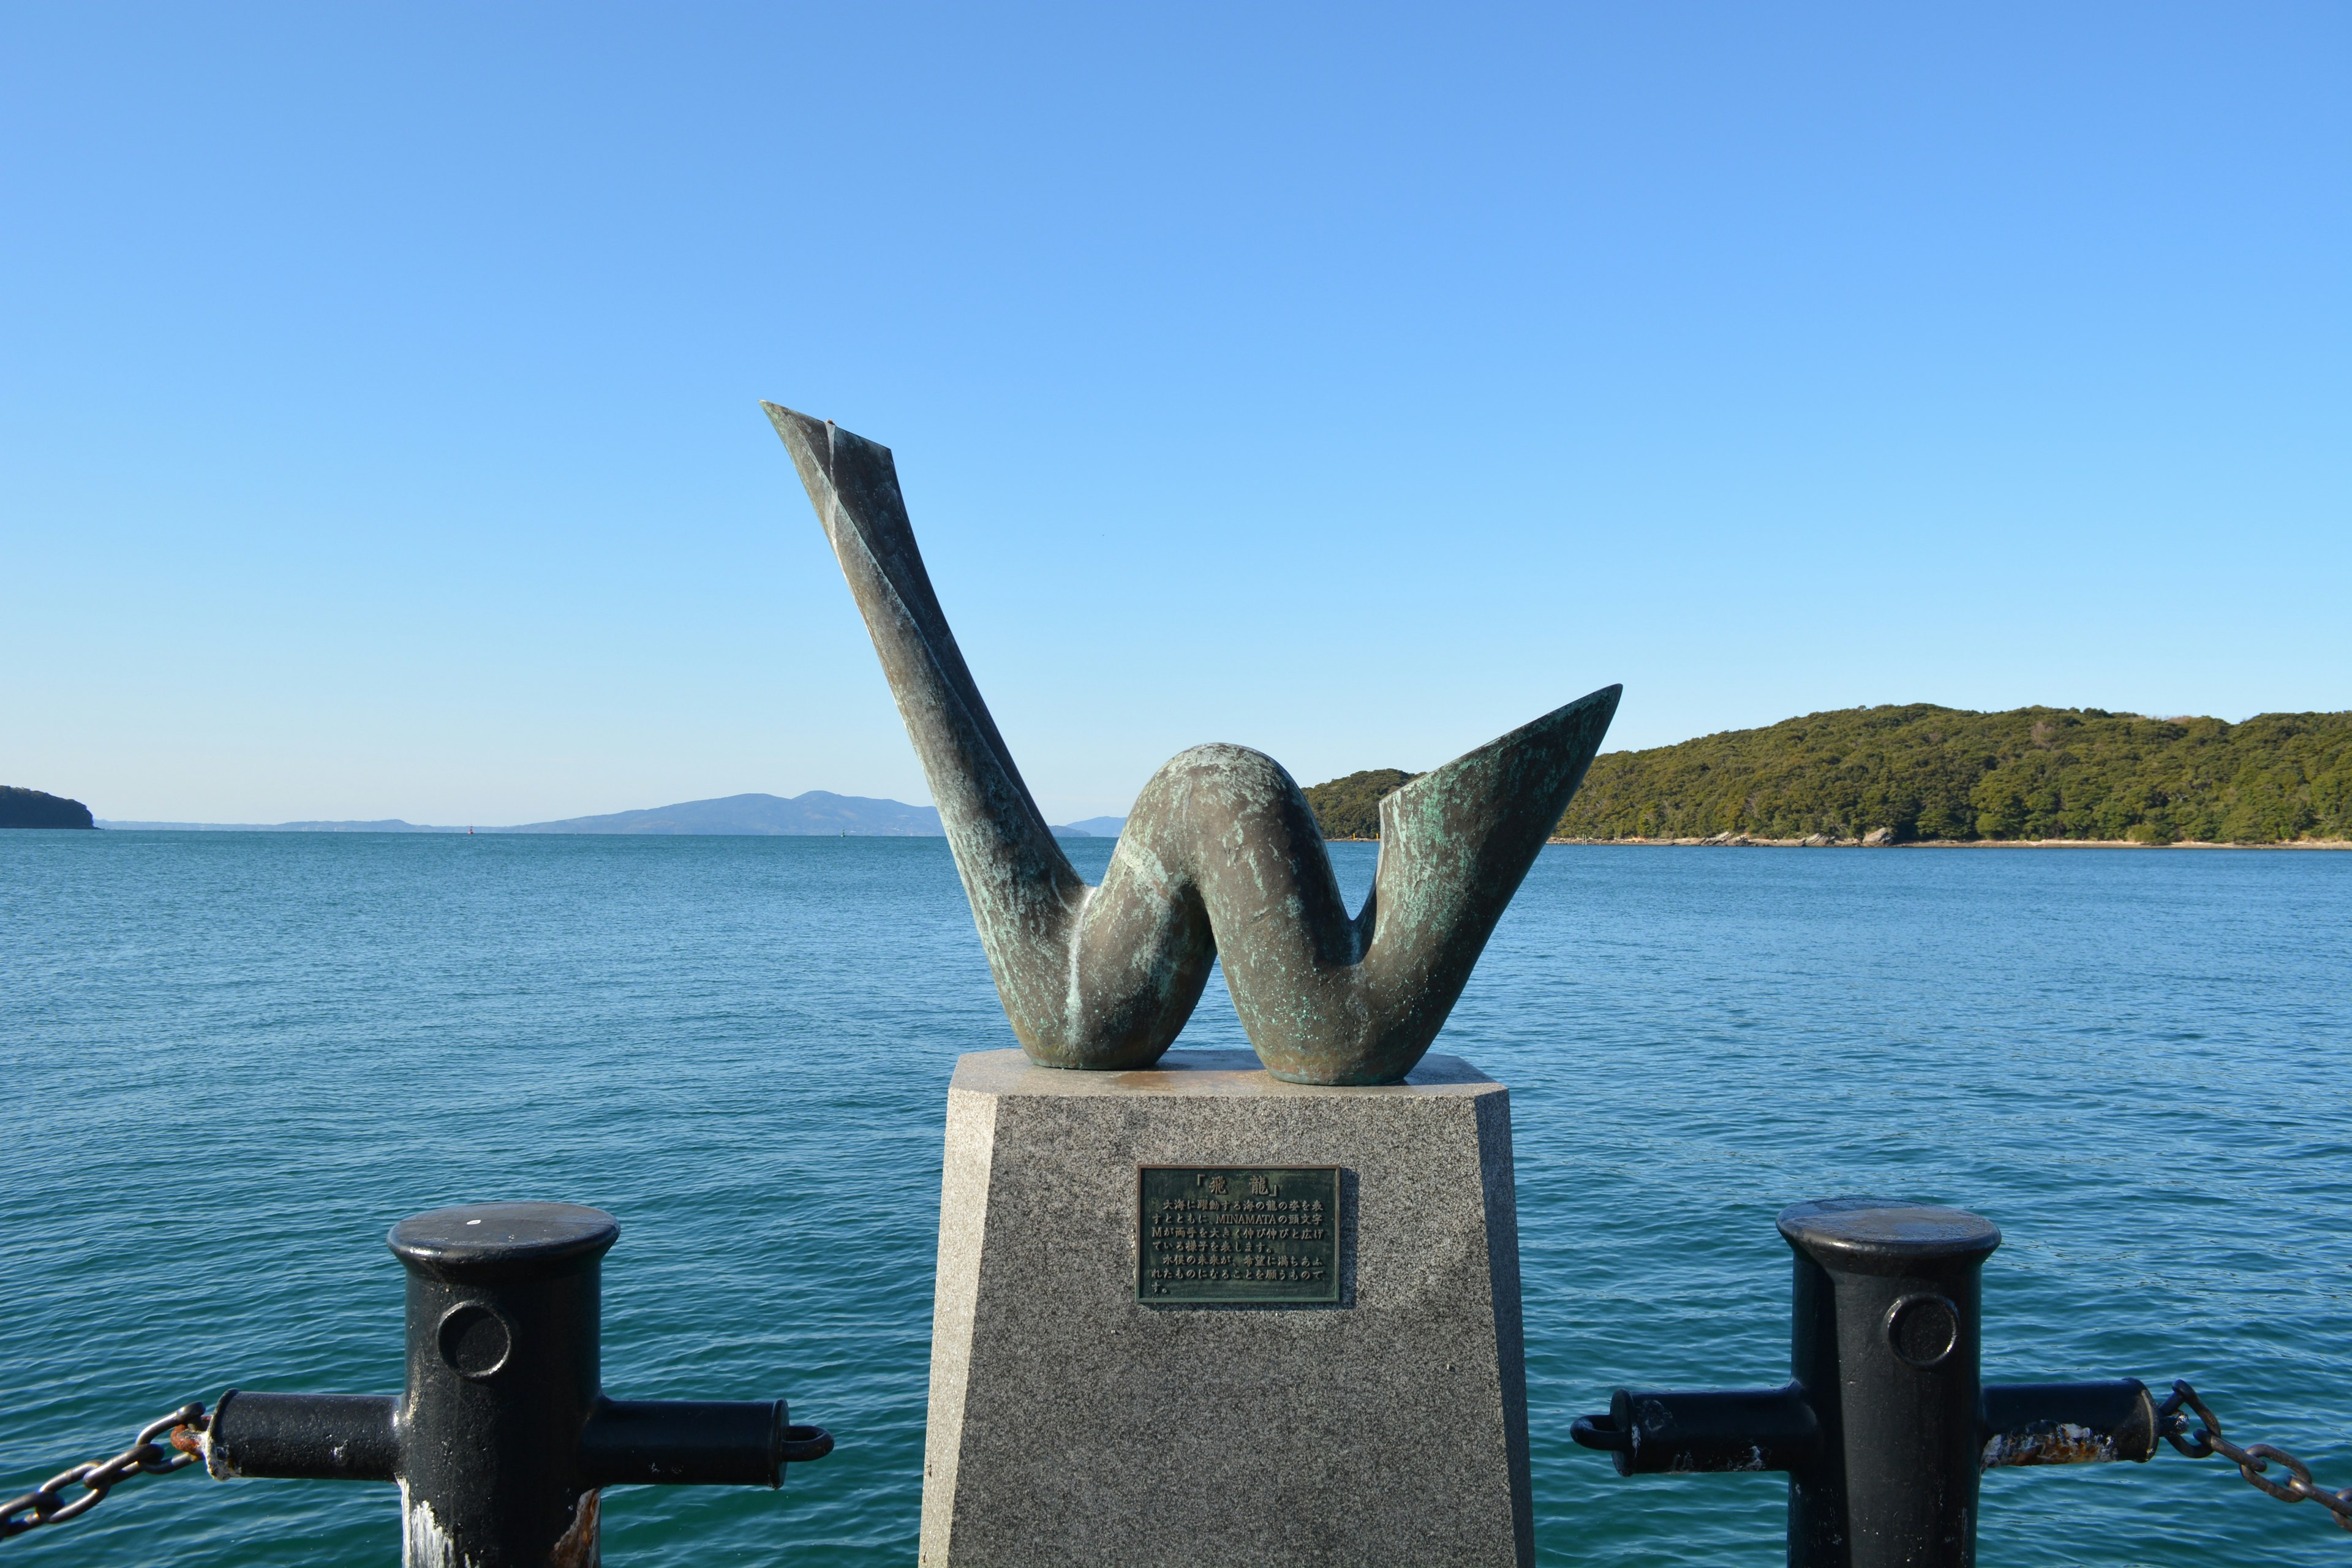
819, 813
389, 825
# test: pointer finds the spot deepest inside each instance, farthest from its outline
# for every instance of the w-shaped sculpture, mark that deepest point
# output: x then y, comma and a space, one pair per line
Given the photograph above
1220, 856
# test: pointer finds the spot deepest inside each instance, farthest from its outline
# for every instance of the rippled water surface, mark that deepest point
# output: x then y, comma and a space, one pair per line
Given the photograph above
233, 1060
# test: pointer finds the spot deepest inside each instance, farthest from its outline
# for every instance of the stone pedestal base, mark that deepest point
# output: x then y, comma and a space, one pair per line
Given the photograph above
1072, 1424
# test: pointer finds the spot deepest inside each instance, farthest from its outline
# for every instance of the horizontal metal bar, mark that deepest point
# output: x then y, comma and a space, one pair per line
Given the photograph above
632, 1442
2067, 1422
1653, 1432
303, 1437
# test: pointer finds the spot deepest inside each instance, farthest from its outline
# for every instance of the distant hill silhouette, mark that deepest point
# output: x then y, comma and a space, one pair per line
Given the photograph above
817, 812
38, 808
388, 825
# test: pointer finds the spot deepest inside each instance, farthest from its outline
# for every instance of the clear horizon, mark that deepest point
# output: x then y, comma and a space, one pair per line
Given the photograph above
379, 431
926, 802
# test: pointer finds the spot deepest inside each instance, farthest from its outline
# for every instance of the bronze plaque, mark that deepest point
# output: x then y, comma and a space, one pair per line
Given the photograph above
1236, 1233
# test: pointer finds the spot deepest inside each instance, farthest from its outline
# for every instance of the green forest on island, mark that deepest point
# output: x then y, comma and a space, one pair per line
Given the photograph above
1923, 773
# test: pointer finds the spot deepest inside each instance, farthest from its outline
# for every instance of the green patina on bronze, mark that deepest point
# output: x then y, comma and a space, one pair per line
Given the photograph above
1221, 856
1236, 1234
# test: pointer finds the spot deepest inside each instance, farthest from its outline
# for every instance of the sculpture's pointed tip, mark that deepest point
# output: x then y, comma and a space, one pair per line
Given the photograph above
1542, 759
1595, 708
791, 421
813, 440
810, 442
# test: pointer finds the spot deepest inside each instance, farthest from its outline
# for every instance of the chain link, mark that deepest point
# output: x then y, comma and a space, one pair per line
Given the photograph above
2252, 1461
45, 1504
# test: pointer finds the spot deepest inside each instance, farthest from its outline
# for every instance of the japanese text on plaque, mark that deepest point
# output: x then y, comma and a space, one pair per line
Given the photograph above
1226, 1233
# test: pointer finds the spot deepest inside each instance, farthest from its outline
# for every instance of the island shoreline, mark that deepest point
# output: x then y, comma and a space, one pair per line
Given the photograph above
1741, 841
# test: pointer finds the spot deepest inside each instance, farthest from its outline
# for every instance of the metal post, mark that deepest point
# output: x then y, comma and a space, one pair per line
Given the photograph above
1886, 1427
1885, 1346
504, 1434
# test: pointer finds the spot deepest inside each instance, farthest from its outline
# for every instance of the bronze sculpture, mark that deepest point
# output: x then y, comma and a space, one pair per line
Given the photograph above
1221, 856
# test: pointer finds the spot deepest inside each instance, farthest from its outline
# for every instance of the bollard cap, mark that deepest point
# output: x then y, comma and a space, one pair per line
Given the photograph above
485, 1241
1887, 1236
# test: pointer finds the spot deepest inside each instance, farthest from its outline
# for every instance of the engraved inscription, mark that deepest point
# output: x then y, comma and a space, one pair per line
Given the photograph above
1237, 1233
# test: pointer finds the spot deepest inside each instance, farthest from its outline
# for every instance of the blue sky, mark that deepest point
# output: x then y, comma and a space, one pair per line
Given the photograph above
378, 423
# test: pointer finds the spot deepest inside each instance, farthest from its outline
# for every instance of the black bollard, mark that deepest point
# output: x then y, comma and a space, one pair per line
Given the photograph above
1886, 1343
504, 1434
1886, 1426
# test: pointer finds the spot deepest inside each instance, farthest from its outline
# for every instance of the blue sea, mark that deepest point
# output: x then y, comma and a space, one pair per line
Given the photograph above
233, 1060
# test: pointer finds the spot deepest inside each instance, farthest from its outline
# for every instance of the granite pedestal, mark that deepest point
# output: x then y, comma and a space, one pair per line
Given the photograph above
1075, 1420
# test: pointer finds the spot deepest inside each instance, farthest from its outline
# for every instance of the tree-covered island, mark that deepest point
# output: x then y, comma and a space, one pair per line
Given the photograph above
1921, 773
36, 808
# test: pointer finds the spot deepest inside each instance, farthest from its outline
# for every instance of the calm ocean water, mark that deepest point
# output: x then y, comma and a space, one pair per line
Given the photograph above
233, 1060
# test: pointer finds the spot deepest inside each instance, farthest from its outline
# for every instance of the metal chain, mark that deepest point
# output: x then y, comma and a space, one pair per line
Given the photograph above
45, 1504
2252, 1460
